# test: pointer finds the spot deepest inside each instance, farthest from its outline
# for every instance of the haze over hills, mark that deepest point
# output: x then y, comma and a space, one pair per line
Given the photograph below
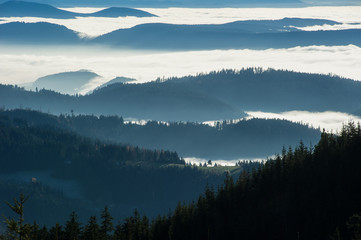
237, 35
138, 101
66, 82
121, 176
260, 34
40, 33
34, 9
199, 3
217, 95
255, 138
116, 80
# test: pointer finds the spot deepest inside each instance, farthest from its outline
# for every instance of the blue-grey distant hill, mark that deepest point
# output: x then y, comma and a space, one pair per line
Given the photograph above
116, 80
114, 12
66, 82
261, 34
217, 95
199, 3
140, 101
37, 33
33, 9
253, 138
176, 3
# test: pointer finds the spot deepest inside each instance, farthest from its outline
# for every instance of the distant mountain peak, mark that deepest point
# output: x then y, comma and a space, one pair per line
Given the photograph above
66, 82
17, 8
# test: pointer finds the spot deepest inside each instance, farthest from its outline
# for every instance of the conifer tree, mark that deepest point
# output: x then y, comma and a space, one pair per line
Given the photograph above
92, 229
106, 225
17, 230
56, 232
72, 227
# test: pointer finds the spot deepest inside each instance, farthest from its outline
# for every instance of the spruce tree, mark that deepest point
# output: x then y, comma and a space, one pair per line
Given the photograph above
106, 225
17, 230
72, 227
91, 230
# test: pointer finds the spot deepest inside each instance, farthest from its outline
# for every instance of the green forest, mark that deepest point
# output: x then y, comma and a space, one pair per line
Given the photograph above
302, 193
96, 173
224, 94
253, 138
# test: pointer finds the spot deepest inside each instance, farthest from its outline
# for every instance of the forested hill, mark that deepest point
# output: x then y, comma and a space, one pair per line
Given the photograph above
262, 34
302, 194
217, 95
141, 101
55, 167
255, 138
17, 8
276, 90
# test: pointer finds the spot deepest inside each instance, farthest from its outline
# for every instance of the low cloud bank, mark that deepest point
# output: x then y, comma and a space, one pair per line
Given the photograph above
21, 65
330, 121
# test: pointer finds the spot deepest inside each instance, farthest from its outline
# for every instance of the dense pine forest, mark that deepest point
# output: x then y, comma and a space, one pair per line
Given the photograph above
254, 138
35, 160
304, 193
210, 96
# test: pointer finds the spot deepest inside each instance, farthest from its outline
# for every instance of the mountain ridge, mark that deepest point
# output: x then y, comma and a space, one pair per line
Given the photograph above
17, 8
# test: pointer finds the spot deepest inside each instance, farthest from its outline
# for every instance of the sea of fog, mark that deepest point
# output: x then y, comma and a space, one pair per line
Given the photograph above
20, 65
23, 65
349, 16
197, 161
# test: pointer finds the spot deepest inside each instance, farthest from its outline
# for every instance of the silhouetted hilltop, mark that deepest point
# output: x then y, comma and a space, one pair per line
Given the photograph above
255, 138
101, 173
157, 101
33, 9
40, 33
179, 3
114, 12
128, 100
217, 95
117, 80
301, 194
66, 82
276, 90
260, 34
114, 81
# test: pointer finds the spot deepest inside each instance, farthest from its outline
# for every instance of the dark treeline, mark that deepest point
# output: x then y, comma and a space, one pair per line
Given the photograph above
301, 194
140, 101
101, 173
275, 90
262, 34
253, 138
217, 95
257, 34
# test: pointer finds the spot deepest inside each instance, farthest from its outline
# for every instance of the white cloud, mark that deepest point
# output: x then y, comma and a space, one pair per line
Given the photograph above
330, 121
197, 161
22, 64
92, 26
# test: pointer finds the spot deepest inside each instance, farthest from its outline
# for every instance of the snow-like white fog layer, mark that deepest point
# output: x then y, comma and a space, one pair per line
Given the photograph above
93, 26
20, 65
330, 121
197, 161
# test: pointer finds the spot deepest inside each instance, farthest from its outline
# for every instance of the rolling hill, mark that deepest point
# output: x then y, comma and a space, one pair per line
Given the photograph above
66, 82
213, 96
262, 34
40, 33
33, 9
255, 138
